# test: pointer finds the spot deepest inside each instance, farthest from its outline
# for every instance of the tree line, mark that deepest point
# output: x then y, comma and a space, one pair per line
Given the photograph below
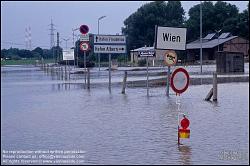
37, 53
140, 26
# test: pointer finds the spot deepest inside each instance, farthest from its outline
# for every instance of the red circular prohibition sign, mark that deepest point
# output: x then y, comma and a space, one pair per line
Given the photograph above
179, 91
84, 29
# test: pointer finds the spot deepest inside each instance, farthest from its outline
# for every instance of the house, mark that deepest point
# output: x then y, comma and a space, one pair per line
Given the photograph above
212, 44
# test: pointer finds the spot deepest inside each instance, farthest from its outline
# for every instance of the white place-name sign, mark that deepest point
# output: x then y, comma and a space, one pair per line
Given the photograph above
68, 54
119, 49
109, 39
171, 38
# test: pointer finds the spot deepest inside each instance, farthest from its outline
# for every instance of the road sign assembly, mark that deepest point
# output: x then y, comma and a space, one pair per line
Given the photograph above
170, 38
184, 132
68, 54
170, 58
84, 46
179, 80
109, 39
110, 49
84, 37
84, 29
146, 53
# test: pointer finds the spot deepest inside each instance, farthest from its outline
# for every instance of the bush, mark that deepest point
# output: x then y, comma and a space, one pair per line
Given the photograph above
15, 57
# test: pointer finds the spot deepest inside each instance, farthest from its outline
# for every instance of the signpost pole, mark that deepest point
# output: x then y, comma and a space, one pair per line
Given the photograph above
65, 75
168, 81
67, 68
74, 60
99, 60
77, 55
109, 72
85, 67
147, 77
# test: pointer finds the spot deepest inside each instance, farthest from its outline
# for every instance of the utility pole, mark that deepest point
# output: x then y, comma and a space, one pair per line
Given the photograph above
52, 29
218, 34
99, 59
58, 46
73, 37
30, 48
26, 39
66, 40
201, 35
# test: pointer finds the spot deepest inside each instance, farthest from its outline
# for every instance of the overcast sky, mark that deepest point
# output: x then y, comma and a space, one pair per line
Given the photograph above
16, 16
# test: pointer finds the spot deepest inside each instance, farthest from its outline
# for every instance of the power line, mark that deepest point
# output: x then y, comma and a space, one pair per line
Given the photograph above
13, 43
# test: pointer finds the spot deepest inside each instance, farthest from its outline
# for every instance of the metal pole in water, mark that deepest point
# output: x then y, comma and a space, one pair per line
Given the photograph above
65, 77
214, 86
168, 81
178, 135
69, 70
124, 82
77, 47
109, 71
85, 67
201, 35
88, 83
99, 59
147, 77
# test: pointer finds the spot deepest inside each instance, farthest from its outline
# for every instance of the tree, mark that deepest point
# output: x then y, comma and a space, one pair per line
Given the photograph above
38, 50
4, 53
243, 24
222, 15
25, 53
140, 26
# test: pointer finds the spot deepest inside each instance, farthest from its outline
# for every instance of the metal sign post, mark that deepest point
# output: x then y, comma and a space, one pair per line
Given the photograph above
67, 56
170, 59
99, 59
168, 81
147, 53
67, 68
179, 84
147, 78
109, 44
84, 45
109, 72
85, 67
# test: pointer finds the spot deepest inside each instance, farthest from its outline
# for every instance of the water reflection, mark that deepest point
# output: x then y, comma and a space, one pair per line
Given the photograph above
64, 86
185, 154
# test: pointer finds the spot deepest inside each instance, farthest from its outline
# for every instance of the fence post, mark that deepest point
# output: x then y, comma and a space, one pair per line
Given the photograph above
65, 72
124, 82
61, 72
88, 78
213, 91
209, 95
215, 86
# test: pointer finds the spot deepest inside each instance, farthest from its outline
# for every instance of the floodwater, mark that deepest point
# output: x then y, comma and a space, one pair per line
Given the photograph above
113, 128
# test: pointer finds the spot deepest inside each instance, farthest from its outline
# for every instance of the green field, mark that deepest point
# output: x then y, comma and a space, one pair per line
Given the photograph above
24, 62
